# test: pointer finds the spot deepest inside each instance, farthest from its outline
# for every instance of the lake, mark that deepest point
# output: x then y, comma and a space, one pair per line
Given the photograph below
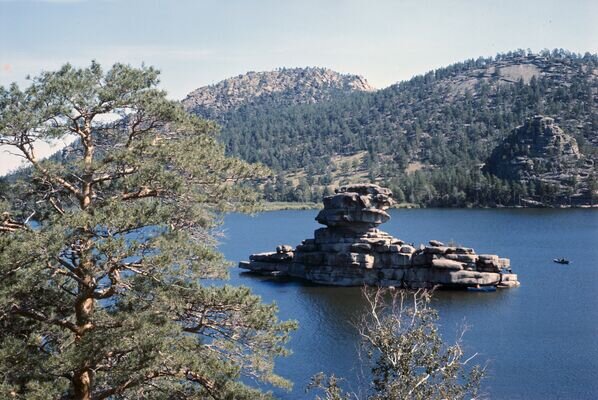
540, 341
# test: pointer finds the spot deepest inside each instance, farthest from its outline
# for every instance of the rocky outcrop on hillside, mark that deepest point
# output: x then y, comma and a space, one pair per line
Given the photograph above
352, 251
511, 70
282, 87
540, 151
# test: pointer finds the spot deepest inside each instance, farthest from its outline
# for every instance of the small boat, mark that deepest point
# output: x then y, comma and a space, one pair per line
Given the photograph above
561, 261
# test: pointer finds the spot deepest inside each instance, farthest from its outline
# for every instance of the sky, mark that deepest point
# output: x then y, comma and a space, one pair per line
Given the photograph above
200, 42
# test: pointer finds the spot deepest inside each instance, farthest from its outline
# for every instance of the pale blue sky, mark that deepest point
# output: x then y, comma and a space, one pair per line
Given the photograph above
197, 42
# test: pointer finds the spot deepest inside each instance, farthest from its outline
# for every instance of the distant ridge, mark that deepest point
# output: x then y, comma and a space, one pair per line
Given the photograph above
283, 87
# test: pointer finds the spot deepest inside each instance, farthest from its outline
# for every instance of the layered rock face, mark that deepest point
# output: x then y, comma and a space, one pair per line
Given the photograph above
352, 251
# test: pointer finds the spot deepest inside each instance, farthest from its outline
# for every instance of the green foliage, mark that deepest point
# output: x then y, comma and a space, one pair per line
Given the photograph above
104, 251
409, 359
448, 120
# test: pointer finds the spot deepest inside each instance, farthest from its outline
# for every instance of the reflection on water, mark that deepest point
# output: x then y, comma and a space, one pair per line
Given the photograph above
539, 340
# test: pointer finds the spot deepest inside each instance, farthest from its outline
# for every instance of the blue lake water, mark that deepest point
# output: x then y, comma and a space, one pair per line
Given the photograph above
540, 341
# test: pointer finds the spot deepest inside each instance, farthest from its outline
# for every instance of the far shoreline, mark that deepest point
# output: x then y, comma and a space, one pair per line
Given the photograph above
290, 205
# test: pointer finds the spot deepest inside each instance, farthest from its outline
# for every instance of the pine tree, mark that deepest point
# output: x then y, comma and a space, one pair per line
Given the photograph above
104, 251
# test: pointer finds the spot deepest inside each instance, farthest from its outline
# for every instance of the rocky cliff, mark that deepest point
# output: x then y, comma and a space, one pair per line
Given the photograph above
352, 251
283, 87
540, 151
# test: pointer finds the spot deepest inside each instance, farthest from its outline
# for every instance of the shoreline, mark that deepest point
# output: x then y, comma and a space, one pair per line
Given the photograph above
283, 205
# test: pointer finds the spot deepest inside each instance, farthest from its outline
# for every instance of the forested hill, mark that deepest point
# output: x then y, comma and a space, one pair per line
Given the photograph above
280, 88
427, 138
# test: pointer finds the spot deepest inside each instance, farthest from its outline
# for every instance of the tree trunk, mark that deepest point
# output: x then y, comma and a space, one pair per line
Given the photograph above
87, 177
84, 306
82, 384
85, 303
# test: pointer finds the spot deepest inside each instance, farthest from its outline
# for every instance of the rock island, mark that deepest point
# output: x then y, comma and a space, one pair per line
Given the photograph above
352, 251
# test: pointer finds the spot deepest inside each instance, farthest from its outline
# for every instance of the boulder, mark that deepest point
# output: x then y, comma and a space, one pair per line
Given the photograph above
466, 258
489, 257
487, 266
274, 257
375, 240
435, 250
466, 278
464, 250
381, 248
356, 207
377, 196
361, 248
284, 248
504, 263
360, 259
447, 264
394, 248
357, 220
406, 249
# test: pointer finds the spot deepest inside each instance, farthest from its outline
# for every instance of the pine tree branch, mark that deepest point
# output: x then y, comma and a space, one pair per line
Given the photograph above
115, 281
192, 376
141, 193
41, 317
7, 224
30, 156
113, 176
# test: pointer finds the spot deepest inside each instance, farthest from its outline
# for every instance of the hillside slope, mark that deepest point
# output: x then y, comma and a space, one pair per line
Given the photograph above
283, 87
426, 138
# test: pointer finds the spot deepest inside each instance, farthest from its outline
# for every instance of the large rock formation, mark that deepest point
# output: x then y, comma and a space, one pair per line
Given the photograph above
352, 251
540, 151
